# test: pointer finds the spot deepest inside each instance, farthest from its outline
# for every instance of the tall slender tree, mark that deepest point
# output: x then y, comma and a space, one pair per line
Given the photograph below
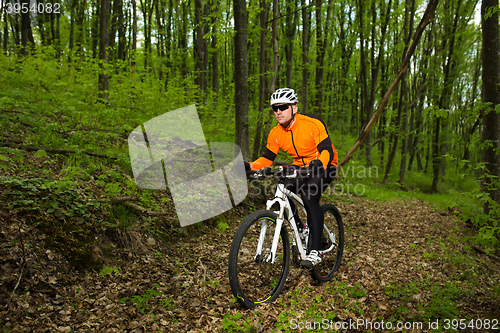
322, 36
306, 18
443, 100
103, 49
5, 29
134, 35
491, 96
28, 41
262, 78
241, 78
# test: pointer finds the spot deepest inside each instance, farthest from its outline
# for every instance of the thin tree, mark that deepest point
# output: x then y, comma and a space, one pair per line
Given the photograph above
405, 96
26, 32
444, 98
241, 77
491, 96
291, 22
103, 49
5, 30
376, 63
214, 52
321, 42
134, 36
262, 77
401, 105
305, 54
199, 47
274, 70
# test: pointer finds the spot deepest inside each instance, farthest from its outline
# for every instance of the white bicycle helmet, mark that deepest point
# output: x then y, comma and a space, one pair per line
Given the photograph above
284, 95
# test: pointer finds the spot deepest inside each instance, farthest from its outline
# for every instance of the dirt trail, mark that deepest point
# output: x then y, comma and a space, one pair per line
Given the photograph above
182, 286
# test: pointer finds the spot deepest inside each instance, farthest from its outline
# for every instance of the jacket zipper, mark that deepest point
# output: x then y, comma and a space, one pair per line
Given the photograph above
293, 144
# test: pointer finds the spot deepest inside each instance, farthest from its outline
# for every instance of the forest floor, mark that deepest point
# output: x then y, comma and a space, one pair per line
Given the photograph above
404, 264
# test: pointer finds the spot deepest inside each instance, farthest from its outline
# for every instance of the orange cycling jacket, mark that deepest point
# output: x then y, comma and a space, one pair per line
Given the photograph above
306, 140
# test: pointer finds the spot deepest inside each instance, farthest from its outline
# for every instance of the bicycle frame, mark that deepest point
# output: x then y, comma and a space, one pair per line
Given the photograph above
282, 197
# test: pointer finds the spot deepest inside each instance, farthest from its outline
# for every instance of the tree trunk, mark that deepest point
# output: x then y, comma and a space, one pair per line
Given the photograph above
5, 31
444, 100
262, 79
199, 56
375, 70
122, 28
160, 23
241, 78
401, 105
80, 20
215, 53
26, 32
405, 93
421, 83
491, 95
41, 29
134, 35
72, 32
103, 52
94, 32
305, 55
363, 77
183, 32
168, 41
291, 24
274, 70
113, 26
321, 41
469, 131
147, 12
346, 51
394, 138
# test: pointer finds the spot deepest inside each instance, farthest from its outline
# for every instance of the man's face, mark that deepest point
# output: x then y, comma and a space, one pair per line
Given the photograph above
284, 112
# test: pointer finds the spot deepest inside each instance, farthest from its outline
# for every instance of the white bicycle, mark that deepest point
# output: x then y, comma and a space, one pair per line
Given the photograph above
259, 258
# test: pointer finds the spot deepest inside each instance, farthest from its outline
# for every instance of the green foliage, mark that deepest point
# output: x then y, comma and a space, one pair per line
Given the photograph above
62, 211
108, 270
357, 291
442, 299
236, 323
222, 226
141, 301
487, 222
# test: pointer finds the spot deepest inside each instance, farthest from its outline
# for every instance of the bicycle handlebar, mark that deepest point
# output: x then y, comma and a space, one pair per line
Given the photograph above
280, 173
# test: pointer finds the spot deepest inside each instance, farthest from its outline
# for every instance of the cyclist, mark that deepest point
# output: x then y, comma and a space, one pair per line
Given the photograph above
306, 139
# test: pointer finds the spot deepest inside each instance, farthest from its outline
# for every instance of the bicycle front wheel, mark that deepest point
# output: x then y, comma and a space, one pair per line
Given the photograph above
253, 278
333, 244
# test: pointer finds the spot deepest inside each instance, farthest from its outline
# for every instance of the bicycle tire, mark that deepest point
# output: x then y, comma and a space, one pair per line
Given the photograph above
254, 281
325, 270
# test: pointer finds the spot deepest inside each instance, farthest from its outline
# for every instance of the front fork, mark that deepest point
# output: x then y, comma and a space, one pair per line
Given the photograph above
271, 258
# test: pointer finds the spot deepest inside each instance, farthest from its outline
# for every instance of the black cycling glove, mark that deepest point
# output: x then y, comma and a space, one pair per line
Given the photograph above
267, 171
316, 164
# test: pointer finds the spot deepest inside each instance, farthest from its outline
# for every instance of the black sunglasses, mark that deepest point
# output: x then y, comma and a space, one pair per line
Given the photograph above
282, 107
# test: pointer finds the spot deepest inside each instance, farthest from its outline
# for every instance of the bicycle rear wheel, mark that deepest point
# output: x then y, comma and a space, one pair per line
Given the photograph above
252, 278
333, 244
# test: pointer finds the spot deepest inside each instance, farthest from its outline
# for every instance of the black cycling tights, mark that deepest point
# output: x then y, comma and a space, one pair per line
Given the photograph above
310, 190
